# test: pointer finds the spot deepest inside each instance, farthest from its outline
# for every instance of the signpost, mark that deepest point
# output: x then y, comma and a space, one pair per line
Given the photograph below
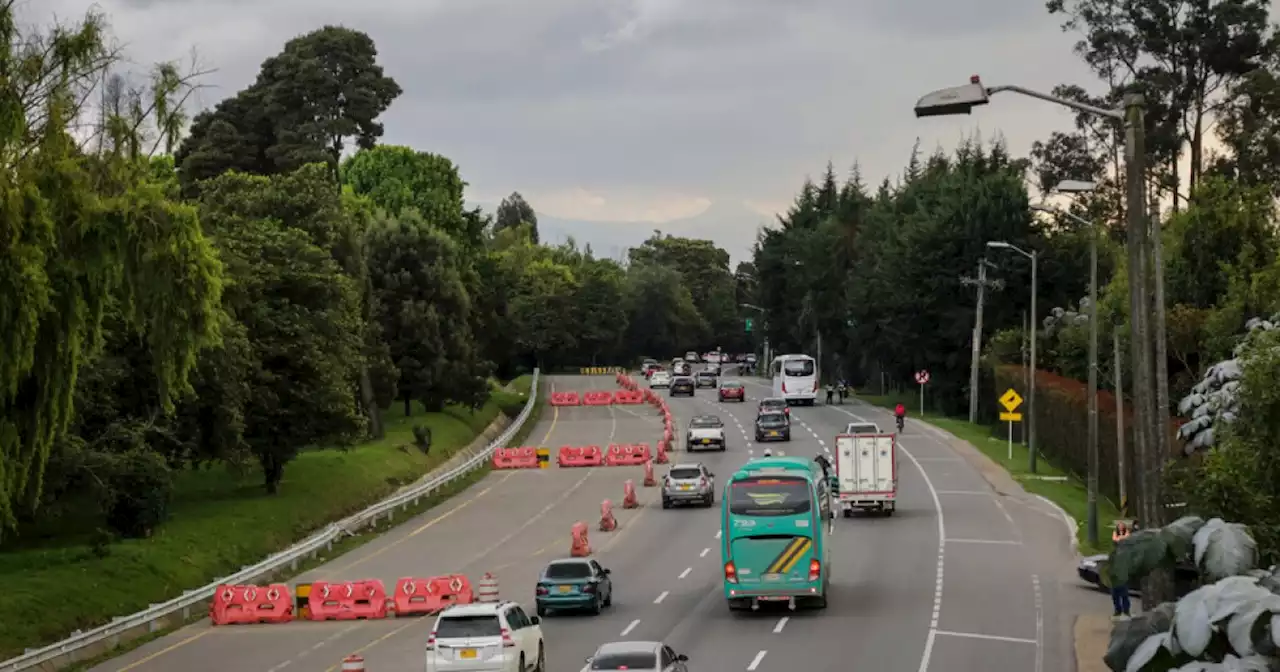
922, 378
1011, 400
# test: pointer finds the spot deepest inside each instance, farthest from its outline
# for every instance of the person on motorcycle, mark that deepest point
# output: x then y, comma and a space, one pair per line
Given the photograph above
900, 412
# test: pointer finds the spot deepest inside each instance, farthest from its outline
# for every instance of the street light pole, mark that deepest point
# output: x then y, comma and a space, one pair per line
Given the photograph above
1031, 393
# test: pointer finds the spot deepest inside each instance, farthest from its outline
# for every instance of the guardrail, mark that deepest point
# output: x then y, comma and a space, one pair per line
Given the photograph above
290, 557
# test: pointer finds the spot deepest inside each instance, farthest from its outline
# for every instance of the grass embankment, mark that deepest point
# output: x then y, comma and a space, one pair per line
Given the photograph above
1070, 494
221, 521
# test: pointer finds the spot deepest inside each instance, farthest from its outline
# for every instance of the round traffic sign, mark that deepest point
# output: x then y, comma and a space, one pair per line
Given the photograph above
922, 376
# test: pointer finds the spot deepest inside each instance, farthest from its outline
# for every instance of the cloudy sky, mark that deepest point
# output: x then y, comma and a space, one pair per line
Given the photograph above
615, 117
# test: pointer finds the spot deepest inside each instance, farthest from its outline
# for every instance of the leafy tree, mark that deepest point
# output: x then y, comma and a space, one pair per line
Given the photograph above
398, 178
542, 309
600, 314
84, 230
513, 212
661, 315
424, 309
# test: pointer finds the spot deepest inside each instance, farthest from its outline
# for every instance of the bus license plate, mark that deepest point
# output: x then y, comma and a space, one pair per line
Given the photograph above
772, 577
706, 441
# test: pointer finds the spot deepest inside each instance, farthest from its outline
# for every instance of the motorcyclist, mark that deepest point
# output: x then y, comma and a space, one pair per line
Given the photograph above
900, 412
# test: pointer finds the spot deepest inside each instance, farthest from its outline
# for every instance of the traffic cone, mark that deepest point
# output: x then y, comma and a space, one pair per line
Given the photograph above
488, 588
649, 480
629, 500
608, 522
353, 663
580, 547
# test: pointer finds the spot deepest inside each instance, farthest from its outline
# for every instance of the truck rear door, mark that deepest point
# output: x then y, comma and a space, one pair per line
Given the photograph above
866, 464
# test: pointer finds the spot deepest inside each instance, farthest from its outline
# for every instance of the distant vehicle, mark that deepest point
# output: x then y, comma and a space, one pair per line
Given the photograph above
659, 379
689, 482
575, 583
682, 385
776, 515
497, 636
795, 378
750, 358
774, 404
648, 364
682, 368
862, 428
772, 426
733, 389
706, 379
638, 657
691, 356
867, 473
705, 431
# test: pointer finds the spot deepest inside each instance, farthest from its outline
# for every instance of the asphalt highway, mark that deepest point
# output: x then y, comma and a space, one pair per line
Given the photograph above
961, 578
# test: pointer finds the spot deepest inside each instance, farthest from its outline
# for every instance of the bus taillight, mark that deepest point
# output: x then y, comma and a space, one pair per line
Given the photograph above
730, 572
815, 568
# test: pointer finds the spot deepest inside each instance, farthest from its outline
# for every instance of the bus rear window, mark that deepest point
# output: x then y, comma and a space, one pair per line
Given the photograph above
798, 367
769, 496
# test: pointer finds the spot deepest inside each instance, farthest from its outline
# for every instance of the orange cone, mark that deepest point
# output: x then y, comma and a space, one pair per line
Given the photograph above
580, 548
353, 663
629, 500
649, 480
608, 522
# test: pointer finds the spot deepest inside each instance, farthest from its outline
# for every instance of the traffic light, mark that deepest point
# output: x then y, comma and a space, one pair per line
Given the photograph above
750, 323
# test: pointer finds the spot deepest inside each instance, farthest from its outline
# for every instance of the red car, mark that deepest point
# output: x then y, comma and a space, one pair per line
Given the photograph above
732, 389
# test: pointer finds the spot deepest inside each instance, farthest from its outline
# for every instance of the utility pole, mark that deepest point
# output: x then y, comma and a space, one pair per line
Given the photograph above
1121, 462
1091, 530
976, 355
1161, 419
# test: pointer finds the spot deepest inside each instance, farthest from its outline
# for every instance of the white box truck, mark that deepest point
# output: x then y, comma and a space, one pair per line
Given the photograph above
867, 472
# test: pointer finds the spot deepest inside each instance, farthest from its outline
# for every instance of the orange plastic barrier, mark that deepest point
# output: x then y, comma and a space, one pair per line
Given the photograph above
624, 456
416, 595
251, 604
347, 600
515, 458
625, 397
564, 399
639, 453
582, 456
597, 398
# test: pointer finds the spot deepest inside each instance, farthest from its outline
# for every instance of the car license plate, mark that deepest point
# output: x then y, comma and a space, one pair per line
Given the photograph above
565, 589
706, 440
466, 653
773, 433
686, 487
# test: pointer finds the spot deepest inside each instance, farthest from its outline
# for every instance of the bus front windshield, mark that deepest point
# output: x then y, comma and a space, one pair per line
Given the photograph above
770, 496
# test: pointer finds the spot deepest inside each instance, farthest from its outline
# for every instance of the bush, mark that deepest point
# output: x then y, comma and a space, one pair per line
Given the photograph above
422, 438
140, 488
1231, 624
510, 403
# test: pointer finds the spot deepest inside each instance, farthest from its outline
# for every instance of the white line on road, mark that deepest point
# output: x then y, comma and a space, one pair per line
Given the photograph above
717, 534
985, 541
686, 572
662, 597
936, 459
994, 638
1035, 583
704, 553
631, 626
755, 662
782, 623
281, 666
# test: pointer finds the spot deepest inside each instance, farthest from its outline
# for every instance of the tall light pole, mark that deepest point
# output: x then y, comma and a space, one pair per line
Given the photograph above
1031, 419
975, 355
1148, 428
1074, 186
764, 314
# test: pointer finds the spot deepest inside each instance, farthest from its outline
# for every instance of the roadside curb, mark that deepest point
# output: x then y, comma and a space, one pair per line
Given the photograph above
1091, 635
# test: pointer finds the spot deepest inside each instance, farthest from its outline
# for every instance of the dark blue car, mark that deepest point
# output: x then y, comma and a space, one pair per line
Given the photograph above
576, 583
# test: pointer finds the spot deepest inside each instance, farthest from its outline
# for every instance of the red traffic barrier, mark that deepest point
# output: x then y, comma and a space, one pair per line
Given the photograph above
629, 499
582, 456
515, 458
564, 399
251, 604
572, 399
580, 547
427, 595
347, 600
608, 522
625, 397
625, 456
597, 398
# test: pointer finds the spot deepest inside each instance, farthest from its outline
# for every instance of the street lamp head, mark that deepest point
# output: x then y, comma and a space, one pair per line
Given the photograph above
998, 244
953, 100
1076, 187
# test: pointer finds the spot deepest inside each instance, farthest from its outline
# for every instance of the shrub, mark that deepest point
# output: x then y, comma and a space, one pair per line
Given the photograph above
510, 403
422, 438
140, 488
1230, 624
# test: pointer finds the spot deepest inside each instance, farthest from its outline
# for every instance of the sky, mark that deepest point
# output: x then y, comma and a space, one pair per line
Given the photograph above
618, 117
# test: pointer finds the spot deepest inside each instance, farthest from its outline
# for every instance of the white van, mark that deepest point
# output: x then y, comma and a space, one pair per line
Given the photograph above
795, 378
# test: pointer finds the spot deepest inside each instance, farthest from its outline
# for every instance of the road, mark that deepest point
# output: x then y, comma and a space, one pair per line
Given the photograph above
960, 578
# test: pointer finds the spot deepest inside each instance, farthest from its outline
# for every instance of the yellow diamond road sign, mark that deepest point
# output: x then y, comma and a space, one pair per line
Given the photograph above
1011, 400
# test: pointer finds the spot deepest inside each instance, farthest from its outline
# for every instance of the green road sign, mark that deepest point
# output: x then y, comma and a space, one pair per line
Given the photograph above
749, 324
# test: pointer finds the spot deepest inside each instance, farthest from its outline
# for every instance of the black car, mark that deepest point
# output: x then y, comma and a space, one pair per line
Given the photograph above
706, 379
682, 385
774, 405
773, 426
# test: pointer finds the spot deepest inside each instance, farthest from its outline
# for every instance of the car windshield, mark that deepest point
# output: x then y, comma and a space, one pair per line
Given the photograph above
731, 385
705, 423
685, 473
774, 403
567, 570
625, 661
772, 419
769, 496
458, 627
798, 367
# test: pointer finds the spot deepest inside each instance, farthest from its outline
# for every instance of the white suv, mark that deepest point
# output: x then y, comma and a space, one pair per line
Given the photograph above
486, 637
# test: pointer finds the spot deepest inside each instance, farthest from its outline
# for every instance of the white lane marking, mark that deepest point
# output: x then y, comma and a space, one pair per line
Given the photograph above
1035, 583
1012, 525
963, 492
662, 597
1003, 542
782, 623
927, 653
704, 553
935, 459
994, 638
755, 662
281, 666
631, 626
718, 533
1072, 525
686, 572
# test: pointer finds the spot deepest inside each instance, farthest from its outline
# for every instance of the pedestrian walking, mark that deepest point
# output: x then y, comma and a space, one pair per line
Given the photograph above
1120, 591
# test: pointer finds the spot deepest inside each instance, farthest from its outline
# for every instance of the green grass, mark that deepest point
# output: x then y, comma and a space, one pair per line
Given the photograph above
220, 522
1071, 494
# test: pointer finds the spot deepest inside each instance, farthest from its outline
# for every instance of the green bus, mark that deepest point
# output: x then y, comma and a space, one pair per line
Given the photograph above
776, 516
